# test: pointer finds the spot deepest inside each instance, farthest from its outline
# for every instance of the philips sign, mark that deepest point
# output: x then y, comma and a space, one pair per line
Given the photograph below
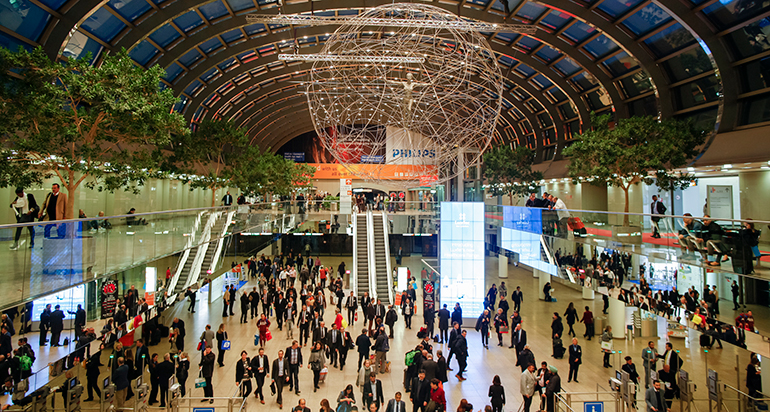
407, 153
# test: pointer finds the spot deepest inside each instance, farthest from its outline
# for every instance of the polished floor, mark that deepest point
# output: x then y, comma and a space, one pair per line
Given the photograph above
483, 364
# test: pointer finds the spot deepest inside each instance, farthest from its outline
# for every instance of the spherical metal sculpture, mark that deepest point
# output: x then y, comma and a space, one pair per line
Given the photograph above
407, 88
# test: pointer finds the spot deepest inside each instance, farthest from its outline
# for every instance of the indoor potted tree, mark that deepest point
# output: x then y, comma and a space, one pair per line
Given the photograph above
632, 151
509, 172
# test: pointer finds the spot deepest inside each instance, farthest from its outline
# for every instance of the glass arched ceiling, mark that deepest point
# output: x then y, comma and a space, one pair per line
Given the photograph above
706, 59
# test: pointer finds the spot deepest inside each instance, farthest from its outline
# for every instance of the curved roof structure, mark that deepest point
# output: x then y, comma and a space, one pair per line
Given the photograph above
706, 59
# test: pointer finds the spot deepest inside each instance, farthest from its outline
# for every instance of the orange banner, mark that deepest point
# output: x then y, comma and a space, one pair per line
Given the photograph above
396, 172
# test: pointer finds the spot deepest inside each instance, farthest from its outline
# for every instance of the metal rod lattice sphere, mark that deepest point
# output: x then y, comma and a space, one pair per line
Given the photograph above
430, 117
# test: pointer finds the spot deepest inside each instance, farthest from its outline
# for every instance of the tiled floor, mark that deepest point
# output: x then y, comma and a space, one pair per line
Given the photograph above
483, 364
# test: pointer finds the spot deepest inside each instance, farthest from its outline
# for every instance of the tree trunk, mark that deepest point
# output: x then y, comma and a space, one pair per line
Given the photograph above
72, 188
625, 216
213, 197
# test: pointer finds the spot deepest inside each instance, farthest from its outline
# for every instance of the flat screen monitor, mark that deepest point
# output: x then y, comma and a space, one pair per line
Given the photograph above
106, 382
73, 383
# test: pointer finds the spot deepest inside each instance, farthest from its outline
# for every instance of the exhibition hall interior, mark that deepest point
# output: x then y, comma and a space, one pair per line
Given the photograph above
346, 205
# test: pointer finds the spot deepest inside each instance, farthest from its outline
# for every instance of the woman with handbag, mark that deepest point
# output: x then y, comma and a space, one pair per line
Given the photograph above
501, 325
607, 345
262, 325
221, 339
346, 399
316, 363
182, 371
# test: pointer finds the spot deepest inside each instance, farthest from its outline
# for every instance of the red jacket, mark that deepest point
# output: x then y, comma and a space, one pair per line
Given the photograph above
438, 397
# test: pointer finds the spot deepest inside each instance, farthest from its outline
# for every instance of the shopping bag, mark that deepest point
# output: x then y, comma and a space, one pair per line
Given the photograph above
607, 346
225, 345
200, 345
344, 324
322, 375
504, 329
268, 336
200, 381
256, 339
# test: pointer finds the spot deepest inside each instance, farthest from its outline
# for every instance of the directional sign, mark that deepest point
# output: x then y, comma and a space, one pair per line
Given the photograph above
593, 407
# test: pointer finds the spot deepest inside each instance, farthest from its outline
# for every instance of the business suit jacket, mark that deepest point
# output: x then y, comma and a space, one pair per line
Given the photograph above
575, 353
287, 355
373, 392
655, 400
520, 340
329, 337
241, 371
443, 318
431, 369
420, 391
165, 370
255, 365
139, 360
61, 207
285, 362
392, 406
318, 332
674, 361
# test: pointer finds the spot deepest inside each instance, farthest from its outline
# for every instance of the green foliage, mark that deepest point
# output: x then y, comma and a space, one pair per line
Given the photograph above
637, 149
95, 125
219, 154
509, 172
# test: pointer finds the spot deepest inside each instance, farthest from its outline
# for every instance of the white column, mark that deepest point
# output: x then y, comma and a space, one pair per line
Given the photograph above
588, 294
616, 317
502, 267
544, 278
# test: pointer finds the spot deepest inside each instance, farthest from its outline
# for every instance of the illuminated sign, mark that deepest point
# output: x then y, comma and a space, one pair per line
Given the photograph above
462, 256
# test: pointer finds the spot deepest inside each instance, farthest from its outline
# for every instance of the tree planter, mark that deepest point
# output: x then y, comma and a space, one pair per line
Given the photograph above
627, 234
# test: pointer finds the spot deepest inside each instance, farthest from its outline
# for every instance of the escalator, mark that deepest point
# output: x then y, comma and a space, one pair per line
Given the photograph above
360, 254
382, 275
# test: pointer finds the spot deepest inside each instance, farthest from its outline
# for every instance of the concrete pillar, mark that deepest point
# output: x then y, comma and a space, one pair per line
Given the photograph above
616, 317
502, 267
544, 278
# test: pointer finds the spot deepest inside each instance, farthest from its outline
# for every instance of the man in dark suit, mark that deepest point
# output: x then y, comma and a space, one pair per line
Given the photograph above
420, 393
396, 405
280, 308
654, 398
667, 378
320, 333
671, 358
294, 359
57, 325
575, 359
379, 310
165, 370
45, 324
517, 297
443, 324
260, 367
80, 321
373, 391
429, 366
301, 406
254, 301
120, 316
363, 343
190, 294
280, 376
519, 339
333, 340
142, 356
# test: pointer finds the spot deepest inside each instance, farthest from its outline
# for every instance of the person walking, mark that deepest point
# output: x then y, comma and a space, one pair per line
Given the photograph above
650, 357
496, 394
190, 294
25, 208
381, 348
552, 387
517, 297
206, 368
588, 320
347, 399
92, 374
262, 325
482, 326
182, 371
294, 358
316, 363
243, 374
280, 377
221, 338
443, 324
575, 359
260, 367
654, 399
571, 316
607, 345
57, 325
45, 324
527, 385
501, 325
461, 351
363, 343
207, 338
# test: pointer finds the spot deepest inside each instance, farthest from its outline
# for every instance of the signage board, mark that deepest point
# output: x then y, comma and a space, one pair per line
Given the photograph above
109, 297
294, 156
346, 196
593, 407
462, 255
372, 159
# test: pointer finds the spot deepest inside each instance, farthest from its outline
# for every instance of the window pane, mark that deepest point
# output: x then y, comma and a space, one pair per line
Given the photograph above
620, 64
578, 31
143, 52
12, 43
54, 4
598, 99
555, 19
755, 75
727, 15
80, 45
698, 92
238, 5
165, 35
24, 18
567, 66
646, 19
209, 45
584, 81
643, 107
531, 11
615, 7
190, 58
670, 40
601, 46
751, 39
172, 72
527, 43
548, 54
687, 64
214, 10
130, 9
636, 84
755, 109
188, 21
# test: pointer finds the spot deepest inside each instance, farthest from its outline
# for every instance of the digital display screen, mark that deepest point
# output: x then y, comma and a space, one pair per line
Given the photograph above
73, 383
462, 256
528, 246
525, 219
106, 383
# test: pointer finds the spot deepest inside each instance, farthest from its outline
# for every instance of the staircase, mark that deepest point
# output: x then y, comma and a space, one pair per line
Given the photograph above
382, 273
360, 254
200, 259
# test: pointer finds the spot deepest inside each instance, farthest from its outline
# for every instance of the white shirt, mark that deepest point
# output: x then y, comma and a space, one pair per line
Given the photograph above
561, 209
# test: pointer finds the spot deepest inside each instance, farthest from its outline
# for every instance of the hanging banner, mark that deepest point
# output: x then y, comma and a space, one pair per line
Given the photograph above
346, 196
109, 298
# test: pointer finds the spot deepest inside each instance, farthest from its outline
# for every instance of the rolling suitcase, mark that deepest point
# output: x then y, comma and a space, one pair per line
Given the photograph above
705, 340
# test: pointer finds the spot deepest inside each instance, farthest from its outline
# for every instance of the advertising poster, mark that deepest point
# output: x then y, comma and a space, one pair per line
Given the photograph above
462, 256
109, 298
346, 196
